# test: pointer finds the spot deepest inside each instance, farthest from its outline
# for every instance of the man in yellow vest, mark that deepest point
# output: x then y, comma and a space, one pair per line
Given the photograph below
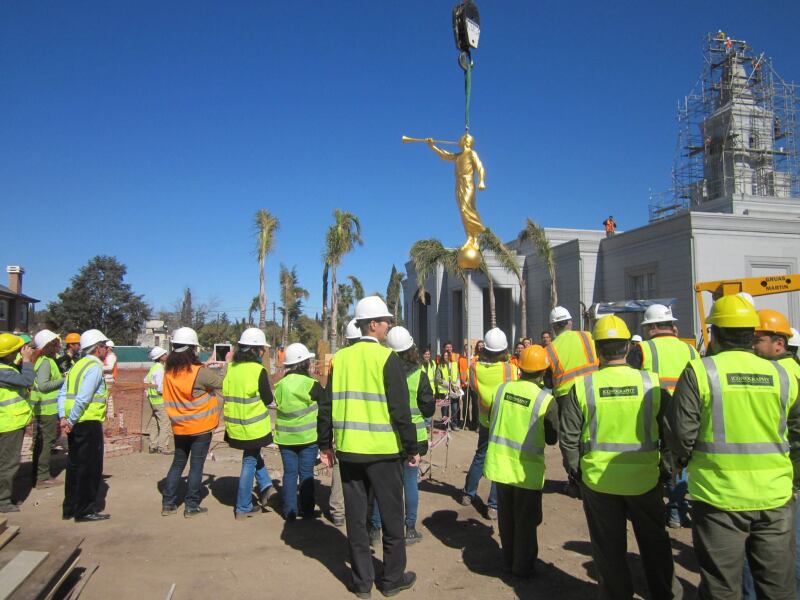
15, 412
158, 428
45, 406
367, 411
609, 436
666, 356
82, 408
571, 354
733, 420
491, 370
524, 418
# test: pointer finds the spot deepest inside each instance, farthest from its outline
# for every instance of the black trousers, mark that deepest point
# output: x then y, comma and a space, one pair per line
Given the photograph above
84, 468
519, 513
606, 515
385, 479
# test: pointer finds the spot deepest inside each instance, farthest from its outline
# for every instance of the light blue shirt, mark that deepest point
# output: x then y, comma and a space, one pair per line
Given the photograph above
92, 383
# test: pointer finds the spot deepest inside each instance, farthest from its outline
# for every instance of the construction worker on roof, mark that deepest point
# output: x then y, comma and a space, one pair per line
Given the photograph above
733, 420
15, 412
491, 370
665, 355
610, 437
524, 418
611, 226
44, 401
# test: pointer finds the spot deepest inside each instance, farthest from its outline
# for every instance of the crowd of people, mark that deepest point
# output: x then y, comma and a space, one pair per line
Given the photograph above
633, 420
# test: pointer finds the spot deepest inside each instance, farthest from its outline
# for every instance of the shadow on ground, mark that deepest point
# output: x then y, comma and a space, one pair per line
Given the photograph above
481, 554
322, 542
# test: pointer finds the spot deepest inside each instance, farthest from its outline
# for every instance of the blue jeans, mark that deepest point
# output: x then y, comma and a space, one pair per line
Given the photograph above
298, 461
253, 467
677, 506
748, 586
192, 449
476, 469
411, 495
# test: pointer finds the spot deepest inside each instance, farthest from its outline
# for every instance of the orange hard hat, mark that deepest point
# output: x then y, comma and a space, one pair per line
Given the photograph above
533, 358
73, 338
772, 321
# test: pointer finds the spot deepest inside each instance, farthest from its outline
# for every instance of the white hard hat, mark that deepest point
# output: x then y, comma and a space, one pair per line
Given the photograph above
559, 313
185, 336
352, 332
156, 353
636, 338
495, 340
399, 339
657, 313
110, 344
747, 297
296, 353
253, 336
44, 337
794, 341
372, 307
92, 337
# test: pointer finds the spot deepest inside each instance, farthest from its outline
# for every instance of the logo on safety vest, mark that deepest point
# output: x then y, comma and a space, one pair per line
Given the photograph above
521, 400
612, 392
750, 379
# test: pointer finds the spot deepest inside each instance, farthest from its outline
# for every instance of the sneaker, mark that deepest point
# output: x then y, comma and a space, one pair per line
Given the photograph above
491, 513
338, 521
241, 516
194, 512
412, 535
407, 581
167, 452
674, 523
466, 500
6, 508
168, 510
374, 535
366, 595
265, 495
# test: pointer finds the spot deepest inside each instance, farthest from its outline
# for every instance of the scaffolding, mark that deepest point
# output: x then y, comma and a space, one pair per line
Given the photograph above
736, 132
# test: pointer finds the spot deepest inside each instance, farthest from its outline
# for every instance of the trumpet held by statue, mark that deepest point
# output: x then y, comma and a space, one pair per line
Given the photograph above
407, 140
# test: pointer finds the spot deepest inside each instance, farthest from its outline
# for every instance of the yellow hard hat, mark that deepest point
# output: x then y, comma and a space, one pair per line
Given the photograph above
772, 321
73, 338
734, 311
533, 358
610, 327
10, 343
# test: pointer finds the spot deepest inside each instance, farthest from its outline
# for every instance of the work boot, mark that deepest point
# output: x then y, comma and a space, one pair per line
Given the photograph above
374, 535
491, 514
412, 535
407, 581
264, 497
168, 510
241, 516
466, 500
194, 512
337, 521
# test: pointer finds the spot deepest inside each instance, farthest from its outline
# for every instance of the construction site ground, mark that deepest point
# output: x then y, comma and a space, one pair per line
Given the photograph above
141, 554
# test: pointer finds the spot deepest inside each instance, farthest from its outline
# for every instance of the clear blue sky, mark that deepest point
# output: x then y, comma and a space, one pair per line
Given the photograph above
153, 131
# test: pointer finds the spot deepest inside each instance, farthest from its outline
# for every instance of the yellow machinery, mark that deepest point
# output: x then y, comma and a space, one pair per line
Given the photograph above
755, 286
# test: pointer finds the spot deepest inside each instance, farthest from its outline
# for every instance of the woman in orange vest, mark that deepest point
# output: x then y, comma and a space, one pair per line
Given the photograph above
193, 408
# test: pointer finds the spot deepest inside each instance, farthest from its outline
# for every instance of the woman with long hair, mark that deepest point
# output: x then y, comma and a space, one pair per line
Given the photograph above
297, 396
191, 402
247, 424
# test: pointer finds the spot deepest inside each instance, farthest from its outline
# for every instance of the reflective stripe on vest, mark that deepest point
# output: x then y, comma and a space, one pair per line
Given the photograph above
45, 403
741, 456
15, 412
153, 395
246, 416
430, 371
667, 356
571, 355
361, 422
189, 414
296, 422
619, 440
485, 379
95, 410
515, 454
417, 419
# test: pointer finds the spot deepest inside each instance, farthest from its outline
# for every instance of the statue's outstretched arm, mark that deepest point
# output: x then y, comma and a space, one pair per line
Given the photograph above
443, 154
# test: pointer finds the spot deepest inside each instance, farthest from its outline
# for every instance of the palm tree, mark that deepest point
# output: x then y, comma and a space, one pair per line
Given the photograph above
265, 227
489, 241
325, 271
484, 268
537, 236
393, 293
358, 289
344, 297
252, 309
343, 235
291, 297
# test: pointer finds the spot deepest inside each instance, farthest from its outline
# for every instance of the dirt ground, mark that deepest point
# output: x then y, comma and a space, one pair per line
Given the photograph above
141, 554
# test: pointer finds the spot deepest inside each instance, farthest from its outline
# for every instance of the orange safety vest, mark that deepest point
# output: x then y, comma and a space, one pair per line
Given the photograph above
574, 363
463, 368
189, 414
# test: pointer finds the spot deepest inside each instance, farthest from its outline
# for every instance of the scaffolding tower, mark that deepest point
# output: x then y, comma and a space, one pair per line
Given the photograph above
736, 132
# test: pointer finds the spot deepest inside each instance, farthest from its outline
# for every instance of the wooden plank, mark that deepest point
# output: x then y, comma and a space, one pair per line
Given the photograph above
64, 549
8, 534
16, 571
3, 524
78, 587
